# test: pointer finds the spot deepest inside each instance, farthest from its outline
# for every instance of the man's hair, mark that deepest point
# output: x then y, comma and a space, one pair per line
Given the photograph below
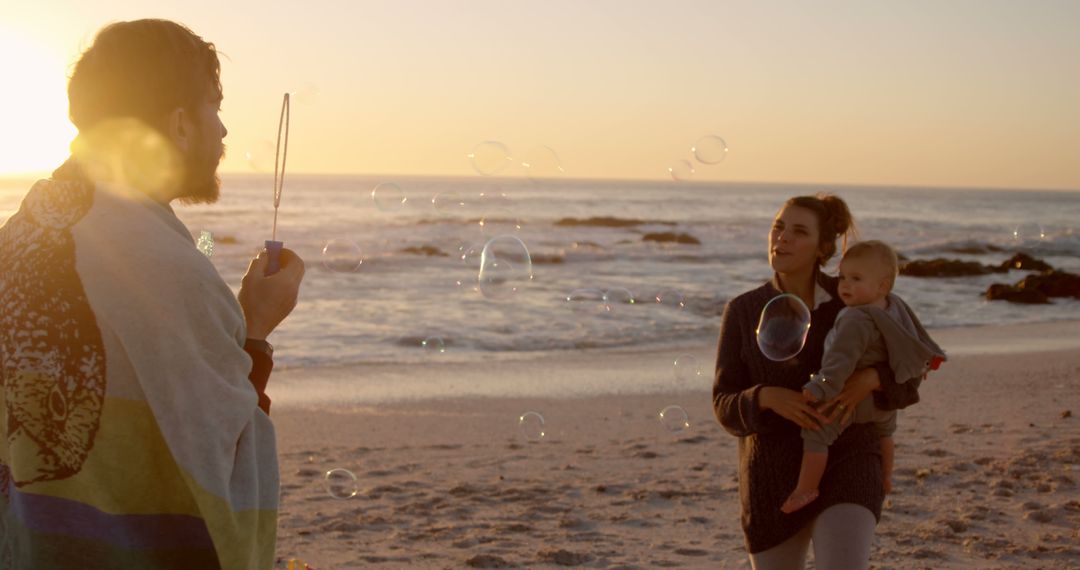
141, 69
877, 252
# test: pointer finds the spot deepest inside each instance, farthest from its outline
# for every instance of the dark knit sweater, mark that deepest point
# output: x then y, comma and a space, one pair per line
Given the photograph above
770, 446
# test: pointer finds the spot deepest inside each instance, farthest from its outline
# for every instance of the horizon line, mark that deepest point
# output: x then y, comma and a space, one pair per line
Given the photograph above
33, 176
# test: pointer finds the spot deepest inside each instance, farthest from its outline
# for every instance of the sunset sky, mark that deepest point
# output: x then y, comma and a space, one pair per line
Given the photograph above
954, 93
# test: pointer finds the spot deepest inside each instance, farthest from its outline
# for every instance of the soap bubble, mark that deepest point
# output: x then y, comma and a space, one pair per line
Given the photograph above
681, 170
710, 149
586, 301
449, 204
489, 157
617, 297
1028, 234
341, 484
531, 426
675, 419
687, 369
308, 94
260, 157
782, 329
500, 221
670, 298
505, 267
494, 201
541, 162
470, 253
342, 256
205, 245
389, 197
433, 345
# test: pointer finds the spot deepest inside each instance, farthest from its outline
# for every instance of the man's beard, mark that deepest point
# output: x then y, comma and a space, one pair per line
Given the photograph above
202, 185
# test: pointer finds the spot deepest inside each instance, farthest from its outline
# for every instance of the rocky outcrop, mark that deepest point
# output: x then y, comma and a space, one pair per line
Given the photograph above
1003, 292
1037, 288
941, 267
672, 237
427, 250
1025, 262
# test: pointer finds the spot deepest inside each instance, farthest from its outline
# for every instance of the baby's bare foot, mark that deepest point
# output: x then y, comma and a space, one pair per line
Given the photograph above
798, 500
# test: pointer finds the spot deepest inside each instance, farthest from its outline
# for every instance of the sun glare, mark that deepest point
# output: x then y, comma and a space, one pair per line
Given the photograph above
36, 132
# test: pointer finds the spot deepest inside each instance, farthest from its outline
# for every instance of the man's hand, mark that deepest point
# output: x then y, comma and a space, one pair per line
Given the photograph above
268, 299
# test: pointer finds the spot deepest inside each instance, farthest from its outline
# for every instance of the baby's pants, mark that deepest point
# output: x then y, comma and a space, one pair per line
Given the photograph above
819, 440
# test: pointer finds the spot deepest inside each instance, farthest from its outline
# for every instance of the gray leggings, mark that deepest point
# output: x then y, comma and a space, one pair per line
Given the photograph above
842, 536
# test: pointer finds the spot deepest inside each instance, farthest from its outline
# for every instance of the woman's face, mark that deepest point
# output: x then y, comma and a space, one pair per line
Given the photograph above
793, 241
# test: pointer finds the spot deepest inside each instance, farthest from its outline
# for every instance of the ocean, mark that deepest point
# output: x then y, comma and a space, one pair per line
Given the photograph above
407, 267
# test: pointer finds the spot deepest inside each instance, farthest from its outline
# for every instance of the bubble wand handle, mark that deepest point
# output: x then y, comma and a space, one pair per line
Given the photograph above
281, 153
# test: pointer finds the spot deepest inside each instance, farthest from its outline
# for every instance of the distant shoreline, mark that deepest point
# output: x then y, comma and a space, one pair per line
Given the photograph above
589, 373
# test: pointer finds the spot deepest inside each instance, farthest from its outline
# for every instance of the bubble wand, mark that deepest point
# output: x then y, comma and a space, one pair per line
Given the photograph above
273, 247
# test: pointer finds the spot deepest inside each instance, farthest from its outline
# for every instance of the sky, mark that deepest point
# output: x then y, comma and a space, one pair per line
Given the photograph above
980, 93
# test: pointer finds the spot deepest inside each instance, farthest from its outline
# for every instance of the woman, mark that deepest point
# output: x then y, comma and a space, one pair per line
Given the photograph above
760, 402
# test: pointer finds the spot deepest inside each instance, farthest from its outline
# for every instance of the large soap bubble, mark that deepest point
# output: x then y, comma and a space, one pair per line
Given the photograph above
505, 267
782, 329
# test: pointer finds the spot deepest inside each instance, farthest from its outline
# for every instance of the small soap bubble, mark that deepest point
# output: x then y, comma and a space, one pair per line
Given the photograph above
687, 369
586, 302
260, 157
500, 221
342, 256
1028, 234
710, 149
433, 345
531, 426
341, 484
205, 245
505, 267
675, 419
389, 197
541, 162
490, 157
494, 201
670, 298
470, 253
449, 204
308, 94
783, 326
681, 170
617, 298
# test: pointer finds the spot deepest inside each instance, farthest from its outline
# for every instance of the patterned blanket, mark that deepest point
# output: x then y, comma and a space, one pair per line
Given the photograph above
132, 437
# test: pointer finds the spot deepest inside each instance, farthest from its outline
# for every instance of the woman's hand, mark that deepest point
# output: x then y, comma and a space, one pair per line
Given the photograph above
792, 405
861, 383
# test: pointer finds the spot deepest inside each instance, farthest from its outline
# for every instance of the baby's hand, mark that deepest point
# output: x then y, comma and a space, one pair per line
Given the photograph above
809, 396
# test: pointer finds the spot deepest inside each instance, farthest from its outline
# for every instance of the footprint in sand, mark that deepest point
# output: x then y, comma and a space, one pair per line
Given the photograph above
562, 557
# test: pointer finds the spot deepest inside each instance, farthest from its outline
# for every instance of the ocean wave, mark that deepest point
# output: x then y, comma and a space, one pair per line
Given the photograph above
609, 222
1063, 244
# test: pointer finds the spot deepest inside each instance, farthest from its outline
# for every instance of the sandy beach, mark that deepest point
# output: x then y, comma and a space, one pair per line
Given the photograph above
987, 469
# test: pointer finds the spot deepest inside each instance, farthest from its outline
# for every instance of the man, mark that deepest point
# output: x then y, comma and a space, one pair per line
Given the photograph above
135, 421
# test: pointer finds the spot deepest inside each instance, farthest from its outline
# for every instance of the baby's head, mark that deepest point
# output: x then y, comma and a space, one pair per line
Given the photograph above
867, 272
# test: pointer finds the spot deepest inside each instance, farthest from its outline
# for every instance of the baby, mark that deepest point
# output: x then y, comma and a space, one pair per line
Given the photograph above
876, 326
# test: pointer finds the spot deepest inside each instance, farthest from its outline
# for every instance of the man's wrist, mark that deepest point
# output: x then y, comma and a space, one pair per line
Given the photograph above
259, 345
